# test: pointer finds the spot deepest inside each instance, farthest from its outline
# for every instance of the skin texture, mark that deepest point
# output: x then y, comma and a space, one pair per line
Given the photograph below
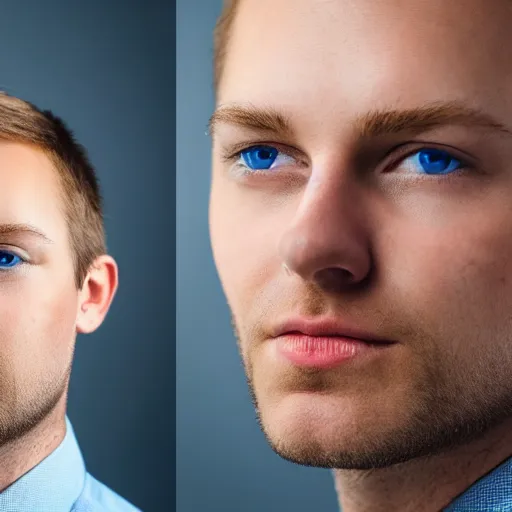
420, 260
41, 310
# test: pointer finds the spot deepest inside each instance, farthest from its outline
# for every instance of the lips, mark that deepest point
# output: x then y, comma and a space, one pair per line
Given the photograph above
327, 327
325, 343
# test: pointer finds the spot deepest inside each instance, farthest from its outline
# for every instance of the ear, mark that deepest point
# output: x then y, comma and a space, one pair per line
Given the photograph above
97, 293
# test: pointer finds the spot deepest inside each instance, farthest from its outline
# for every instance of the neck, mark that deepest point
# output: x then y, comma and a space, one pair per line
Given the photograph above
427, 484
21, 455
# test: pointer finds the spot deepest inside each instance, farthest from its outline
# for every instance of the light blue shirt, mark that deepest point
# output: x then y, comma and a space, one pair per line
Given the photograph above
60, 483
491, 493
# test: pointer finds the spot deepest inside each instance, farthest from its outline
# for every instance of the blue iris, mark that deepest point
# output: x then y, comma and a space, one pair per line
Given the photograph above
8, 259
259, 157
436, 161
430, 161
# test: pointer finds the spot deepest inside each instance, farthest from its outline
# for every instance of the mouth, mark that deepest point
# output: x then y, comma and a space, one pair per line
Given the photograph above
325, 344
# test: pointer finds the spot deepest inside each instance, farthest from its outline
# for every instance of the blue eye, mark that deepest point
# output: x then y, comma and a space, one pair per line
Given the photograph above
259, 157
435, 161
8, 260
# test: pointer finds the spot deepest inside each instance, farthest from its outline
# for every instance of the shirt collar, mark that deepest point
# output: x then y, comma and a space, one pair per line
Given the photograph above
54, 484
491, 492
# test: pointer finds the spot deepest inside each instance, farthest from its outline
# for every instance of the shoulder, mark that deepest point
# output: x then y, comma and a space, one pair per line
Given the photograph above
97, 497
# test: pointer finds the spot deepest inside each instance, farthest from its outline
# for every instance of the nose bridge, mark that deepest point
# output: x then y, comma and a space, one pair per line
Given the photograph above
327, 232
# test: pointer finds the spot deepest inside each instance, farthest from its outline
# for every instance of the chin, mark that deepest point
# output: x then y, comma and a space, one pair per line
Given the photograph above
302, 426
329, 431
298, 443
331, 446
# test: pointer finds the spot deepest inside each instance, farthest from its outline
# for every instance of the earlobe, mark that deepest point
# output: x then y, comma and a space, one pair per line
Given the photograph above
97, 293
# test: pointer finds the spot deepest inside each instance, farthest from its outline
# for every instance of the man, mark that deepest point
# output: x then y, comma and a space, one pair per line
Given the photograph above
56, 280
361, 225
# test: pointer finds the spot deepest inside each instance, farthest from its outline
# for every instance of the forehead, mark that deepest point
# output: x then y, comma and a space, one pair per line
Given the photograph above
344, 56
30, 191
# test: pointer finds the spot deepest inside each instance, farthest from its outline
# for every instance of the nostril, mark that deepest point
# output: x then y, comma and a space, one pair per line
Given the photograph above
333, 279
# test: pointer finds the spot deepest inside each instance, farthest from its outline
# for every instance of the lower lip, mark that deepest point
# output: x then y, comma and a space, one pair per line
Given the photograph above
323, 351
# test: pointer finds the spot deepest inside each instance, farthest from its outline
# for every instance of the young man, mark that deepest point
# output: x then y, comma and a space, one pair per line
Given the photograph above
56, 280
361, 224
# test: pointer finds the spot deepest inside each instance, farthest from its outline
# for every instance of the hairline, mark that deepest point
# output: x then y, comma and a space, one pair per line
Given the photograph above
222, 36
25, 124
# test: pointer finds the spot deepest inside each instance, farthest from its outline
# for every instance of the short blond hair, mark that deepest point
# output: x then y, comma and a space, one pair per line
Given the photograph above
23, 122
221, 37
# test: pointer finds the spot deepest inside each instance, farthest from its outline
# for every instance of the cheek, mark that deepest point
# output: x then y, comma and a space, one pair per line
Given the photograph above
245, 238
456, 280
37, 325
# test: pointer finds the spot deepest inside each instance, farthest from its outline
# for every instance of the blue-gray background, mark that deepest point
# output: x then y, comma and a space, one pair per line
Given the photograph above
223, 461
106, 68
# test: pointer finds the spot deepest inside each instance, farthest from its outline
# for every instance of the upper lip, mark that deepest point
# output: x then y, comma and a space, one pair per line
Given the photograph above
326, 327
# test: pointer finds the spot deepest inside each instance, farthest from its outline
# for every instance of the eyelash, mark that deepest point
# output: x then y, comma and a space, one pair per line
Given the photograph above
243, 170
12, 268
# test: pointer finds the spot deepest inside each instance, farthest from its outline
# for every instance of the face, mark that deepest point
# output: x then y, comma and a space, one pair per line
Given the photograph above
367, 146
38, 297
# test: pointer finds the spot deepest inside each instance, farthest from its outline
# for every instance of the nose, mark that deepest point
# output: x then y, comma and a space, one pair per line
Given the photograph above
327, 242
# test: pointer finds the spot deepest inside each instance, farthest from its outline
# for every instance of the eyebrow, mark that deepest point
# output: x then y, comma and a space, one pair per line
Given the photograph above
17, 229
260, 119
375, 123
